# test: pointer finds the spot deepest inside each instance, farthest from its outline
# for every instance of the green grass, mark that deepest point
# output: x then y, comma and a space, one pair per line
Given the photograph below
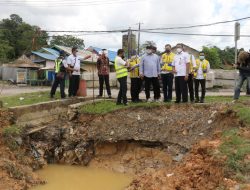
235, 148
243, 112
109, 106
223, 99
26, 99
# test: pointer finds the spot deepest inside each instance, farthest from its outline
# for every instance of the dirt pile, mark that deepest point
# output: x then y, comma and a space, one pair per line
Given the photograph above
16, 172
199, 170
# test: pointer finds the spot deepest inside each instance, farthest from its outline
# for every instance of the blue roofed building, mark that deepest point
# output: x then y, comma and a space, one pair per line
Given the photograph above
111, 54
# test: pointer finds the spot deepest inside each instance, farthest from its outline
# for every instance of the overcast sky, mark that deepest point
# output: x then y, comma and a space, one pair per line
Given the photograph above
56, 15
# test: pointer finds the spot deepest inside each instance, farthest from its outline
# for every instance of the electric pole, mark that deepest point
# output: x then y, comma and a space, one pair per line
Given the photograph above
139, 36
129, 42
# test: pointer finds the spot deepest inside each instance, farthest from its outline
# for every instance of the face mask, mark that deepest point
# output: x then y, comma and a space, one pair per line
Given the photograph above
105, 53
149, 51
167, 50
202, 57
179, 50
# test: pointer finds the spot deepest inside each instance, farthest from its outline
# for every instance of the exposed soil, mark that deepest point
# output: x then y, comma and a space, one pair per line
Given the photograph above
157, 145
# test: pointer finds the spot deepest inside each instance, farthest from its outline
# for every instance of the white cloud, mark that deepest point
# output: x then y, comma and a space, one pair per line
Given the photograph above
153, 13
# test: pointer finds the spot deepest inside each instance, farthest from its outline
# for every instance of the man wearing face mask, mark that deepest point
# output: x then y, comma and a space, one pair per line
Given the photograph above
181, 66
103, 72
150, 70
121, 75
191, 77
200, 74
74, 61
136, 81
167, 73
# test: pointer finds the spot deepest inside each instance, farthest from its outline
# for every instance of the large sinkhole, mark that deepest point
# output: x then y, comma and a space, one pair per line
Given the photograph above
127, 141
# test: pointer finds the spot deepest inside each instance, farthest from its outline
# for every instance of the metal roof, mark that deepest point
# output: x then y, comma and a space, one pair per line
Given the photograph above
111, 54
52, 51
45, 55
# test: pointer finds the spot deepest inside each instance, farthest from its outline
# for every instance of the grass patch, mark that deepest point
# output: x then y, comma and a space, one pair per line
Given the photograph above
243, 112
109, 106
27, 99
235, 148
10, 134
223, 99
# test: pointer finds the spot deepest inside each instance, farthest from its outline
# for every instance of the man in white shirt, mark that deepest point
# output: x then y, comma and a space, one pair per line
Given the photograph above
200, 74
181, 66
74, 62
121, 75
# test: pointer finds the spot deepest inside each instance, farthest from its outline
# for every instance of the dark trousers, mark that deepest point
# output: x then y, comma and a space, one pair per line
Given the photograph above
199, 82
167, 85
156, 87
102, 79
122, 95
248, 89
74, 81
61, 82
135, 89
191, 86
181, 89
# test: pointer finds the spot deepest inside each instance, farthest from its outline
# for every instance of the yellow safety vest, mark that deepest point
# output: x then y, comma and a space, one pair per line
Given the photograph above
57, 65
134, 73
203, 66
121, 71
167, 59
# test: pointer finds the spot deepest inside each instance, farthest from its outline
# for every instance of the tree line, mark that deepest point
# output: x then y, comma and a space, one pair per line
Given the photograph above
18, 37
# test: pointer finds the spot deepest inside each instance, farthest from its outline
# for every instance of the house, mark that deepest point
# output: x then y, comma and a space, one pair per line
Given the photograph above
188, 49
20, 71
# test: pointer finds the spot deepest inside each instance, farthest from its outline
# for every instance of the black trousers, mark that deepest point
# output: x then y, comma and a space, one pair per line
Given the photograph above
61, 82
199, 82
167, 85
191, 86
248, 91
156, 87
102, 79
181, 89
135, 89
74, 81
122, 95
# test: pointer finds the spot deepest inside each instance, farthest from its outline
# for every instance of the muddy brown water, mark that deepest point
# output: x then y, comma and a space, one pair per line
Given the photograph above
79, 178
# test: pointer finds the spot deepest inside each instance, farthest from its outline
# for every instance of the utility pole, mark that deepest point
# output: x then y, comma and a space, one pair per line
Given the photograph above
236, 38
139, 36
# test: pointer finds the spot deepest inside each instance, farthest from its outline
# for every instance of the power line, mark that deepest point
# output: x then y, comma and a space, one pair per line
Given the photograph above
67, 3
200, 25
192, 34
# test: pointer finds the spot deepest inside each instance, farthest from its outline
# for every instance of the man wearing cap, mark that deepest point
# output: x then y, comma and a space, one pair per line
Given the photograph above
103, 72
150, 71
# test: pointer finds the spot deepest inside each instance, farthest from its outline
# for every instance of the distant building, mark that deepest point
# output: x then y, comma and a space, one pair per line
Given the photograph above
188, 49
21, 71
129, 43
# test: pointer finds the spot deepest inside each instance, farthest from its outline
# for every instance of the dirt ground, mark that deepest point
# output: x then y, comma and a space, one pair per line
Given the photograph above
164, 147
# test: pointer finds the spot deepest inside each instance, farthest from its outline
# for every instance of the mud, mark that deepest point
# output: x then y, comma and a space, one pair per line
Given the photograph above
147, 143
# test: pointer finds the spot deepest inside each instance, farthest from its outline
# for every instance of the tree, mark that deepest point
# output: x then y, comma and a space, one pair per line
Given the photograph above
145, 44
68, 41
16, 37
212, 56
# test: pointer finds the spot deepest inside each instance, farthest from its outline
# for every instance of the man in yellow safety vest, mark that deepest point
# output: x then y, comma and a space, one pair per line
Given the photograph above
121, 75
200, 74
167, 75
136, 81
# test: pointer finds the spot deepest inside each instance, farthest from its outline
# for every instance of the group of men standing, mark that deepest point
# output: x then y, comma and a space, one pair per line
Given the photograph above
180, 67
